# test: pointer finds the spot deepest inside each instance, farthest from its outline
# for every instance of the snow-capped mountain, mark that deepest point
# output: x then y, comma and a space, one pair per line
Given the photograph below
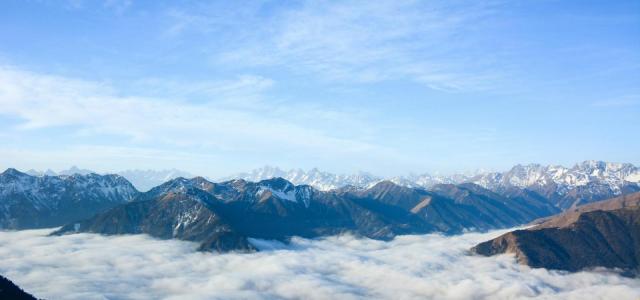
145, 180
568, 186
326, 181
581, 174
320, 180
585, 182
428, 181
41, 201
71, 171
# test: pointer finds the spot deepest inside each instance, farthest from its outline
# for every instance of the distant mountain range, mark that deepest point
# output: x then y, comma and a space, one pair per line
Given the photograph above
602, 234
47, 201
320, 180
143, 180
71, 171
326, 181
568, 186
583, 183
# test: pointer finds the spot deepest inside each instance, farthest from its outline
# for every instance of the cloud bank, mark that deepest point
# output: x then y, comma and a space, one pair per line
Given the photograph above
236, 123
87, 266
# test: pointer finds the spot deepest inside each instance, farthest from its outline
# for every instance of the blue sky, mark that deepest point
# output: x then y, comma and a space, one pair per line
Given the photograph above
219, 87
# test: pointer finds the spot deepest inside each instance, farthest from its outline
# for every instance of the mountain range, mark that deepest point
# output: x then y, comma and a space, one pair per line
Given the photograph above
223, 216
582, 183
585, 182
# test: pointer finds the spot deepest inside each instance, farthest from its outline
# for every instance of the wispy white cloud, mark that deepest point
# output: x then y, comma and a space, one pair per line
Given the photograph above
44, 101
87, 266
360, 41
233, 119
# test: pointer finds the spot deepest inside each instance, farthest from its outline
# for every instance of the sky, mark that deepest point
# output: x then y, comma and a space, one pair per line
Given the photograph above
388, 87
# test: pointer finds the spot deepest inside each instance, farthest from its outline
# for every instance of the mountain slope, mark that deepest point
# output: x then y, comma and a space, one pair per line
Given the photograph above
604, 234
35, 202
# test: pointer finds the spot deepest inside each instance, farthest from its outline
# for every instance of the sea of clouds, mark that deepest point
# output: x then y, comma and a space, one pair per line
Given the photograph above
89, 266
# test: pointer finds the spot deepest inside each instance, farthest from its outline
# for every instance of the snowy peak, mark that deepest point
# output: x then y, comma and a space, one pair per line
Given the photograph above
521, 176
71, 171
587, 181
145, 180
592, 180
284, 190
320, 180
236, 190
581, 174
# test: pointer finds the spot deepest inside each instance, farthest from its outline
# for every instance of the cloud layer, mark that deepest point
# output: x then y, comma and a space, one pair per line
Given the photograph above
236, 121
87, 266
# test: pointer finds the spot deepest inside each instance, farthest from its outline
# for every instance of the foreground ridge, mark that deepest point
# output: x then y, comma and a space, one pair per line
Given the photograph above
604, 234
9, 290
